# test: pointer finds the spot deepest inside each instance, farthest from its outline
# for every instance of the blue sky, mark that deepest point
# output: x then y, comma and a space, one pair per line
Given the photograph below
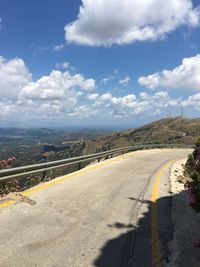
110, 63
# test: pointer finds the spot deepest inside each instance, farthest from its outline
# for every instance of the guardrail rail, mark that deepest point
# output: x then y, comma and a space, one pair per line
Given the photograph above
21, 178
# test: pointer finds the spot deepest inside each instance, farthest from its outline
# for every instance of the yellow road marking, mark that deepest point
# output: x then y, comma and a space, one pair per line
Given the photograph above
7, 204
59, 180
156, 253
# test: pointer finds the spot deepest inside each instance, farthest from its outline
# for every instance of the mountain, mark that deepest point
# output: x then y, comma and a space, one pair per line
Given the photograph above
171, 130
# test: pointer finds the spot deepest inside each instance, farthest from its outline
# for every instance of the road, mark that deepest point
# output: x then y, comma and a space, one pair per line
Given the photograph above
109, 214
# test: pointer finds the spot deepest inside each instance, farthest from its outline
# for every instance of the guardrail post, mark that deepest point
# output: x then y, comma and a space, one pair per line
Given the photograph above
43, 175
51, 174
79, 166
99, 159
2, 187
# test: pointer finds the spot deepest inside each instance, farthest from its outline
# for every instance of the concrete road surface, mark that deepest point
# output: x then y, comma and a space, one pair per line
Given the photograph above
113, 213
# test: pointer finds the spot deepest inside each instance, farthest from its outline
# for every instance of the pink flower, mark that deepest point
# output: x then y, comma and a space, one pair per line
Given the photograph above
3, 162
9, 160
192, 200
196, 244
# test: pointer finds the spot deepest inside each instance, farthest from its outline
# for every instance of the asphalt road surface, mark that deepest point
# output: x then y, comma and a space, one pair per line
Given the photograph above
113, 213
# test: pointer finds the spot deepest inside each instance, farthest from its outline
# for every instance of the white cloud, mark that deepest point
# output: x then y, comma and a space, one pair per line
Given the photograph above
54, 95
128, 105
128, 101
132, 105
192, 101
13, 76
103, 99
64, 95
150, 81
84, 111
58, 47
92, 96
64, 65
125, 81
7, 107
107, 22
186, 76
58, 85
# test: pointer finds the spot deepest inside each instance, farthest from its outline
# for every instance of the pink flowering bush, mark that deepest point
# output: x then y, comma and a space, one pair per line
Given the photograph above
196, 244
5, 164
20, 183
192, 169
193, 195
16, 185
6, 187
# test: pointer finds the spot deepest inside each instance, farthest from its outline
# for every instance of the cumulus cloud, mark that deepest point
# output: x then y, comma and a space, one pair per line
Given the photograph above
150, 81
13, 76
57, 85
186, 76
92, 96
128, 101
50, 96
103, 98
125, 81
133, 105
107, 22
192, 101
64, 95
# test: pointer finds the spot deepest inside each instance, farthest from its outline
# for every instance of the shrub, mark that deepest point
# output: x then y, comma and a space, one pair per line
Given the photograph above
5, 164
192, 169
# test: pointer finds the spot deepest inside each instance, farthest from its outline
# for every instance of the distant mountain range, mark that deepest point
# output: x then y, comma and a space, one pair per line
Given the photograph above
69, 134
23, 132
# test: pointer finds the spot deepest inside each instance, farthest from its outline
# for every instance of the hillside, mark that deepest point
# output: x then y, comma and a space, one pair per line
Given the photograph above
47, 145
171, 130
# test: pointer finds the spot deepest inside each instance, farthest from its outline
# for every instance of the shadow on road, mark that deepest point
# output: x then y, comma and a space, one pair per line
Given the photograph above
134, 246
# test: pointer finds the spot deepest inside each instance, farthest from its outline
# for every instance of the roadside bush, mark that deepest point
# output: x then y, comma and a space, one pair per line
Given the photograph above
192, 169
6, 164
11, 185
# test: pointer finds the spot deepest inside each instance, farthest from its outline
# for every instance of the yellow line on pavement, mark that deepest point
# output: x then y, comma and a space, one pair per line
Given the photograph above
7, 204
156, 252
61, 179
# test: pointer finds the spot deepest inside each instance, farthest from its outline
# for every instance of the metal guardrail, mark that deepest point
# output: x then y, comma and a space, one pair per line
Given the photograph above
15, 173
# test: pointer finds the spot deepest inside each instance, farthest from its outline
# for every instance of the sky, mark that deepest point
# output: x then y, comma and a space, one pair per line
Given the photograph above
98, 63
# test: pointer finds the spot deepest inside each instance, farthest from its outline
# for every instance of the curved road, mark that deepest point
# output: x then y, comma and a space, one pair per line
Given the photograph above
113, 213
